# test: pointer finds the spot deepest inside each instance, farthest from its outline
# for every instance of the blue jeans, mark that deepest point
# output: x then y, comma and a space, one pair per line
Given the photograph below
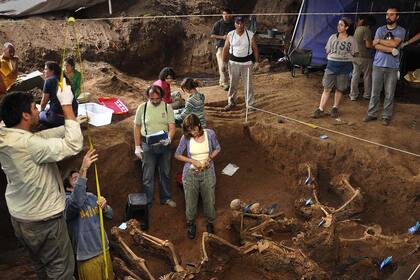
383, 78
160, 156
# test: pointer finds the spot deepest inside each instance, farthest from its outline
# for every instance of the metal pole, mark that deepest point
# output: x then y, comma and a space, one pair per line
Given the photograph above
247, 94
110, 7
294, 30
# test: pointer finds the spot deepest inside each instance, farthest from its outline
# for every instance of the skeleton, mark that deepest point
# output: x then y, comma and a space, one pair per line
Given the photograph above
269, 255
373, 235
259, 247
257, 223
341, 186
151, 243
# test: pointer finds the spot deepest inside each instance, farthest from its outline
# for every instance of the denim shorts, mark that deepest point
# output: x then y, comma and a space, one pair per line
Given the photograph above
339, 81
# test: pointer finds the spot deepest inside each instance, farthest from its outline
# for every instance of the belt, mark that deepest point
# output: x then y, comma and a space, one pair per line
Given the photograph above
56, 216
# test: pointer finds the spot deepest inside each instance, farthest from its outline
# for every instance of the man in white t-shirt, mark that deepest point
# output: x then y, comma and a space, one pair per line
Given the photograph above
241, 51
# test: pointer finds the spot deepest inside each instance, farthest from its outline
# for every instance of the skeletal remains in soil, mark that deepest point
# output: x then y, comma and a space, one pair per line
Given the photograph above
259, 245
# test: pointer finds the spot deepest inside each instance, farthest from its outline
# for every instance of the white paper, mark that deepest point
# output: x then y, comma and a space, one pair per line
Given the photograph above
30, 75
230, 169
123, 226
156, 133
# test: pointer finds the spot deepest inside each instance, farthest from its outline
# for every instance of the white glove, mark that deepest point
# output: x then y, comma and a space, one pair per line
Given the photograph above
64, 94
165, 142
138, 151
395, 52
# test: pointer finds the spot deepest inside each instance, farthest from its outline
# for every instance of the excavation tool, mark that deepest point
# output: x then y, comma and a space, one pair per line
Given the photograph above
71, 22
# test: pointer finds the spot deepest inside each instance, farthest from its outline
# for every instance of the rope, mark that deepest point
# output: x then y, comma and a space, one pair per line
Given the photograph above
253, 14
337, 132
71, 21
219, 15
414, 272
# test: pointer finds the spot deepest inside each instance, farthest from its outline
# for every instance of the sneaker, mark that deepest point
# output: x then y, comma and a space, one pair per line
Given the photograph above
369, 118
226, 87
318, 113
191, 230
228, 107
366, 97
210, 228
334, 112
352, 98
386, 121
170, 203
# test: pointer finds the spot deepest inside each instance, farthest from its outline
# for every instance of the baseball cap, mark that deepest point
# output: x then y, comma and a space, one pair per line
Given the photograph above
239, 18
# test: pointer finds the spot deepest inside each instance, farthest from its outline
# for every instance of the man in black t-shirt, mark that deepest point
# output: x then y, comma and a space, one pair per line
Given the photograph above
220, 29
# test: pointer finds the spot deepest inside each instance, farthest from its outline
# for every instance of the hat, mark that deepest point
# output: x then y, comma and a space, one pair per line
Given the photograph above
413, 76
238, 19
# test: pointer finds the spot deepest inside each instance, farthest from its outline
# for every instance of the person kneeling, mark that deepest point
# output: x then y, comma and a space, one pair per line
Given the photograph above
198, 176
82, 216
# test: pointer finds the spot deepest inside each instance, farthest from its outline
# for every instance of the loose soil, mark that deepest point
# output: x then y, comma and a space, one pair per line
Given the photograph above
267, 151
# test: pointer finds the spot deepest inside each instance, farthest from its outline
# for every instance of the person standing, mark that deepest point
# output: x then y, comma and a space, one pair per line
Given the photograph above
219, 33
241, 51
385, 66
153, 117
8, 68
198, 176
82, 216
362, 62
35, 195
340, 49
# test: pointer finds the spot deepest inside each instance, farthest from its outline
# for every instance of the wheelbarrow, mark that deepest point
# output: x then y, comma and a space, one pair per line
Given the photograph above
300, 57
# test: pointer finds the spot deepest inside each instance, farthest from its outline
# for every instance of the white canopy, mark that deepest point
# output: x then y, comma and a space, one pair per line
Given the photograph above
17, 8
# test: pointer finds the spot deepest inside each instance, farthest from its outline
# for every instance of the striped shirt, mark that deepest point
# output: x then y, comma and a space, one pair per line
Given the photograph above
194, 105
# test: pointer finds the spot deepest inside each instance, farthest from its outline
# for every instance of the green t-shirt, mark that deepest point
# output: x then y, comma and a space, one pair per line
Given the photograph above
157, 117
361, 35
76, 81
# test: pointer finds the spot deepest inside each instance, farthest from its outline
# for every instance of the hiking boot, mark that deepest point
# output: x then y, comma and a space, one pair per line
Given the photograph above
226, 87
170, 203
386, 121
228, 107
318, 113
210, 228
334, 112
369, 118
191, 230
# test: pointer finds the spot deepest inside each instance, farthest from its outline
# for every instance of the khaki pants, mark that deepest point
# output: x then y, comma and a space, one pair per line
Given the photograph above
361, 66
198, 183
223, 80
49, 246
94, 268
236, 72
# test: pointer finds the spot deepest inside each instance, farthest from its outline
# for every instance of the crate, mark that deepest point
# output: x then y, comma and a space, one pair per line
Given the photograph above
98, 115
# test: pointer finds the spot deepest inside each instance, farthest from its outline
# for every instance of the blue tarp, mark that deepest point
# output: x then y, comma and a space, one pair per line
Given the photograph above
316, 29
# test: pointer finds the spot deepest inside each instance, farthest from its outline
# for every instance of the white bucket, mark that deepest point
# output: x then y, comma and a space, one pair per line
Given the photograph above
98, 115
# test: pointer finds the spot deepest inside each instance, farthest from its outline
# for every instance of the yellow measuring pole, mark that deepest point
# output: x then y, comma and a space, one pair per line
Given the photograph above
71, 21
